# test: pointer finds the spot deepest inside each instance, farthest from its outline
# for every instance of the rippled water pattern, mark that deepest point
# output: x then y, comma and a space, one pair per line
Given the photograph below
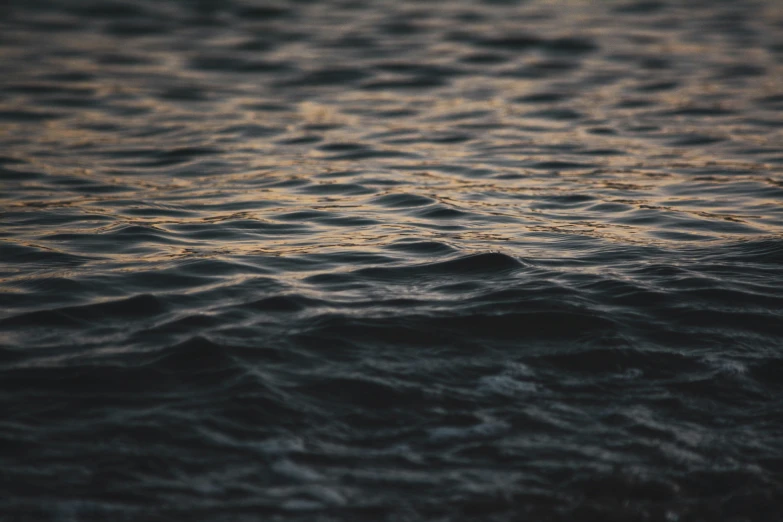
391, 261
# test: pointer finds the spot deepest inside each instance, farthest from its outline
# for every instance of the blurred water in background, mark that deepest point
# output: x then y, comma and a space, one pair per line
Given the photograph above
393, 261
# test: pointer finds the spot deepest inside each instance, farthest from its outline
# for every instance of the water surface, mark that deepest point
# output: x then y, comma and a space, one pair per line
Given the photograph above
399, 261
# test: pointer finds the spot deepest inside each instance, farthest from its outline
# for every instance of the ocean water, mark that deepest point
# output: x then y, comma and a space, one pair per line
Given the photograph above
391, 261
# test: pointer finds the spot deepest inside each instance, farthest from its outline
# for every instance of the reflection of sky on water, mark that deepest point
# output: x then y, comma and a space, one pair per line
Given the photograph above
358, 255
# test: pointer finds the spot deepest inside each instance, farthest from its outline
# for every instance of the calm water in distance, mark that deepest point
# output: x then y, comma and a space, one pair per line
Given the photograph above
391, 261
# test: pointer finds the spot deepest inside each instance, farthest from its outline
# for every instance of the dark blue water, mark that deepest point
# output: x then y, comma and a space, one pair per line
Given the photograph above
391, 261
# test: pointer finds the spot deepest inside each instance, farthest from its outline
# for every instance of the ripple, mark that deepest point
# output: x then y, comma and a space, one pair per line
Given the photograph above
390, 261
123, 309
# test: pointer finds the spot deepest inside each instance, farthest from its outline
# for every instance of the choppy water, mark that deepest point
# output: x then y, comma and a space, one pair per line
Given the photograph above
391, 261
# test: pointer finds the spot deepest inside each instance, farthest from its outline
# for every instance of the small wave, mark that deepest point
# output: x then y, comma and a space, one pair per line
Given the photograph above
137, 307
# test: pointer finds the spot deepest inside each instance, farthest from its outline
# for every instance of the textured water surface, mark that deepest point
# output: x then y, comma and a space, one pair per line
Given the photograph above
356, 260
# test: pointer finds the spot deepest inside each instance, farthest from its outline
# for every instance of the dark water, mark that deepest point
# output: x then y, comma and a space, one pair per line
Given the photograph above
386, 261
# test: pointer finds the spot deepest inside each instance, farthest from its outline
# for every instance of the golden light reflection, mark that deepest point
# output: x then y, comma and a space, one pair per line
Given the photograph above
507, 144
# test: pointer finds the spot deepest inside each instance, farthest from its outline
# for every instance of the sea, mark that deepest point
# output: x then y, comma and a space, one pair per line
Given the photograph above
394, 261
